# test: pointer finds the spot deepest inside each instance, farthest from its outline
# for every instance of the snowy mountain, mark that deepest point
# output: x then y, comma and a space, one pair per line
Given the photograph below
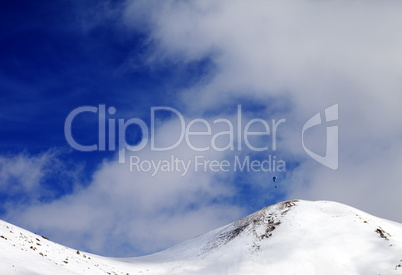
292, 237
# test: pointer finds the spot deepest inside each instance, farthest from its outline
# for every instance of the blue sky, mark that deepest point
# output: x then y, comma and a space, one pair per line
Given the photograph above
204, 59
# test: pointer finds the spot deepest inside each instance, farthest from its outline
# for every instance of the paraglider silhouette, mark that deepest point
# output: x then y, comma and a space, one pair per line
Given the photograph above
274, 180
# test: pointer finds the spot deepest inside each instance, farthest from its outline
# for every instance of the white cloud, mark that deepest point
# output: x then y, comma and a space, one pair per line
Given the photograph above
133, 210
21, 173
315, 53
23, 176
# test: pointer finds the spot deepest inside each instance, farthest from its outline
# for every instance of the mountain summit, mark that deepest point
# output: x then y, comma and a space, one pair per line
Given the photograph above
292, 237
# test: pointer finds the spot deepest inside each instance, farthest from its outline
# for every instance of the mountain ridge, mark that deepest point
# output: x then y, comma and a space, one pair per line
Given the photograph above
291, 237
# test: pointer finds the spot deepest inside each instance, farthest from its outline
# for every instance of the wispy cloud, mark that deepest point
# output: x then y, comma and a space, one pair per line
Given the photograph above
136, 210
315, 54
27, 179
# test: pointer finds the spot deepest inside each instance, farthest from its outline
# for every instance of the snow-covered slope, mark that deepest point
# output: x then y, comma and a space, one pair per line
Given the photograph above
293, 237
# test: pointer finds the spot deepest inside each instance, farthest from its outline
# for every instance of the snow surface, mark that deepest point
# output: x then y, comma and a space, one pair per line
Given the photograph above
293, 237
